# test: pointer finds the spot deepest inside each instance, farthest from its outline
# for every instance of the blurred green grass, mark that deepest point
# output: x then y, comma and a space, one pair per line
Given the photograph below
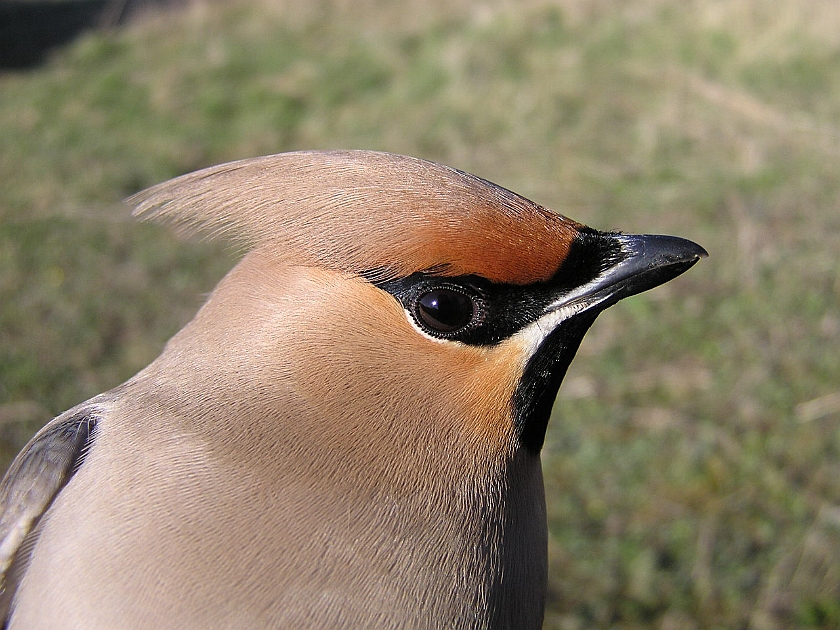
693, 462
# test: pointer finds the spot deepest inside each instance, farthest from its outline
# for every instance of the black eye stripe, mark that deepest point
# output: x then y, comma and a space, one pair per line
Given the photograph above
499, 310
468, 309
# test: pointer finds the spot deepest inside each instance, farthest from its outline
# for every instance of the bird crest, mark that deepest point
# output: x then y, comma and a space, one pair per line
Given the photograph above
368, 213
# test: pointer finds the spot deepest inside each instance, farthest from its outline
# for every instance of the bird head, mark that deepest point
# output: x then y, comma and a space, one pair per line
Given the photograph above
381, 287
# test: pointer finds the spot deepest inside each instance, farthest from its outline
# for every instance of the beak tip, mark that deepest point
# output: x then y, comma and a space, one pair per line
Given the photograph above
690, 249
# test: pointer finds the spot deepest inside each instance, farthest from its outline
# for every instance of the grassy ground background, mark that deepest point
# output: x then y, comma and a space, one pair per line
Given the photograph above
693, 463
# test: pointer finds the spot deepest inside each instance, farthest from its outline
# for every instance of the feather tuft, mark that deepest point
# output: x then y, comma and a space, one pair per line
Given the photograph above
362, 210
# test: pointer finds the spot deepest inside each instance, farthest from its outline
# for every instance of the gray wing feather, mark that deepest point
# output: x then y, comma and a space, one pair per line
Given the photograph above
34, 479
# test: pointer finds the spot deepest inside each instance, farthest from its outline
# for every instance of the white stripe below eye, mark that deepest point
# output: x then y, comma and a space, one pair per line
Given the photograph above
533, 335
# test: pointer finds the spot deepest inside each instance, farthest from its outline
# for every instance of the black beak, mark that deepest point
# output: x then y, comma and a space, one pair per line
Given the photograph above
617, 265
644, 261
629, 264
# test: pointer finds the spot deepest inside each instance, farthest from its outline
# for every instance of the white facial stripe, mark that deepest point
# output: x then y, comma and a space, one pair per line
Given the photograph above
584, 289
592, 285
533, 335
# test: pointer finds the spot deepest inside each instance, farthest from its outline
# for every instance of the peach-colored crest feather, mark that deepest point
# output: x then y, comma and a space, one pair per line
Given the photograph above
367, 212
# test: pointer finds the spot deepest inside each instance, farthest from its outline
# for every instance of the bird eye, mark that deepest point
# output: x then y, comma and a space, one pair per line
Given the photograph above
444, 310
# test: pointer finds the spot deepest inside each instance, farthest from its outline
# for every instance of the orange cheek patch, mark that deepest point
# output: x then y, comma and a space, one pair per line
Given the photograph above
464, 390
474, 385
488, 393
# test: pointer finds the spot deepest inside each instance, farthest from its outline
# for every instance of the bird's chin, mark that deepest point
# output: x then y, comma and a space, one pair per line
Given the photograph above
543, 374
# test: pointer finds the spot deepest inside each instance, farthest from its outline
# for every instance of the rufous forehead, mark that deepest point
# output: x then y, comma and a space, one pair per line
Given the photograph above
520, 249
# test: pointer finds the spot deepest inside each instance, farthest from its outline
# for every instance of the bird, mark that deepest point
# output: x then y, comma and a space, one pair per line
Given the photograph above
348, 433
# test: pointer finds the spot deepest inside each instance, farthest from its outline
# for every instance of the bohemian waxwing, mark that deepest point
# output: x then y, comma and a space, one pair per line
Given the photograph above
348, 432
